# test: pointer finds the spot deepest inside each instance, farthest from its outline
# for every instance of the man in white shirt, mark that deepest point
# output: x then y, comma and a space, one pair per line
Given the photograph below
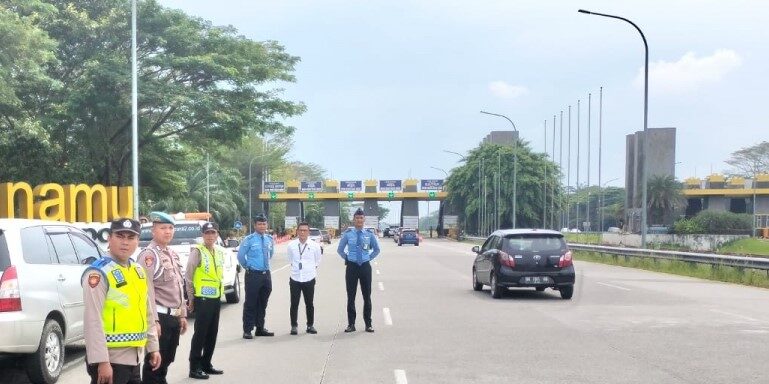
304, 258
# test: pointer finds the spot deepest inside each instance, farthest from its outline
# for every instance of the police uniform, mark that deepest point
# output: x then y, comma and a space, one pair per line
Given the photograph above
358, 247
112, 290
204, 276
163, 268
254, 256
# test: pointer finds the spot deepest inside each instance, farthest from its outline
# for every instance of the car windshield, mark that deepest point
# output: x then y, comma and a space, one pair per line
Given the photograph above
314, 232
533, 243
183, 233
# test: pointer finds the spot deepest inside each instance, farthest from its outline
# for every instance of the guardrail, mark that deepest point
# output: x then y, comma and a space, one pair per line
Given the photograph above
761, 263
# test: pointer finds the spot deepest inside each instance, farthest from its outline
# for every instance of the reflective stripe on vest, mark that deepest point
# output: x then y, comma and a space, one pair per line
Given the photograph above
207, 278
124, 317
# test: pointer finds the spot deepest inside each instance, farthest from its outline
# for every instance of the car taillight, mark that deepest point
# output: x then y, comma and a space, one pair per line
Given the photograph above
506, 260
565, 260
10, 299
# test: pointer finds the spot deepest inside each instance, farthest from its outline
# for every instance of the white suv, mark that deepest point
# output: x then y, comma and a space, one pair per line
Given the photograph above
41, 300
316, 236
187, 233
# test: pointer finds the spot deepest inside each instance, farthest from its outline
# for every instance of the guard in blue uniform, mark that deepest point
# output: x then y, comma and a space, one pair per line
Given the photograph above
358, 247
254, 256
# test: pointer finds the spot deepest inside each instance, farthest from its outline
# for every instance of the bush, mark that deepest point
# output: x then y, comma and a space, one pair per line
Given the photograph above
715, 223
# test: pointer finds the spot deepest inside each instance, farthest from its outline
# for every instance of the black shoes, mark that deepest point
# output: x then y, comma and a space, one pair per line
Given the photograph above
247, 335
294, 331
369, 329
311, 329
263, 332
198, 374
213, 371
350, 328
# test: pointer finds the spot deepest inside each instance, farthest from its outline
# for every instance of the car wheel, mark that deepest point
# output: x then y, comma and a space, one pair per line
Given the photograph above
44, 365
540, 289
496, 291
476, 285
416, 244
234, 296
400, 244
567, 291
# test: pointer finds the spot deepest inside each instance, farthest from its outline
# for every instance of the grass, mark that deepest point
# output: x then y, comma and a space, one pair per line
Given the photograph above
751, 277
583, 238
749, 246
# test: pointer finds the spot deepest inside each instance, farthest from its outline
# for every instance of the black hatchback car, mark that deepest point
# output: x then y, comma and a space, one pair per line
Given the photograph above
536, 258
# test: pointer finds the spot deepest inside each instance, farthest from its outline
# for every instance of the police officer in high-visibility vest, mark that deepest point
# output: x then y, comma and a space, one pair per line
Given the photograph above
204, 283
118, 316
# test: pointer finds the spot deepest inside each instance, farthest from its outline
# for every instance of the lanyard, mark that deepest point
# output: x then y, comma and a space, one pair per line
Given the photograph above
301, 251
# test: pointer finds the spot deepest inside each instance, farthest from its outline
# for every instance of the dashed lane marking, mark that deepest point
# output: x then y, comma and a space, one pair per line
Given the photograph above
381, 286
388, 320
614, 286
400, 377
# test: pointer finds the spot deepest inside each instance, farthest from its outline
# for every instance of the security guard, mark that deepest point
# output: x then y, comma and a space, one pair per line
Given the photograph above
254, 256
204, 276
163, 266
362, 247
115, 287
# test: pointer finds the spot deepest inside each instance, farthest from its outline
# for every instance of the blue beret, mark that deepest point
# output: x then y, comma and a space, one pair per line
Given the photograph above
161, 217
359, 212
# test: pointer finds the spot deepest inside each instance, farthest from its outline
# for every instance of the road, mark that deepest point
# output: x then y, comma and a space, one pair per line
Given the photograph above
622, 326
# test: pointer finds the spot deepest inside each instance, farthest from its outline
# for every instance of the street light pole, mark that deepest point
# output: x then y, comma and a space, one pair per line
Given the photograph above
645, 144
602, 202
456, 153
515, 164
134, 113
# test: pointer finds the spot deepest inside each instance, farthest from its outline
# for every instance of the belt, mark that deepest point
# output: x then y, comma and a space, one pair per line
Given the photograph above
256, 271
169, 311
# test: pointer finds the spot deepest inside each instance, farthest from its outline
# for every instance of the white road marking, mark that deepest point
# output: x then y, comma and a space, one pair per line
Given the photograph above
614, 286
283, 267
377, 271
734, 314
400, 377
387, 318
381, 286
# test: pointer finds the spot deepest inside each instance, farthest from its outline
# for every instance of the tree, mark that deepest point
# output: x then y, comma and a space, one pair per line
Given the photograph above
750, 161
664, 198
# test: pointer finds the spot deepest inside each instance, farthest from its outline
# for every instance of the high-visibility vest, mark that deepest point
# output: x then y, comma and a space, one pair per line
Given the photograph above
208, 275
124, 316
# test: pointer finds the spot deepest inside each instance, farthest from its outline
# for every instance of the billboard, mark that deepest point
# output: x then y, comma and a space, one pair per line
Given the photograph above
350, 186
274, 186
311, 186
431, 184
390, 185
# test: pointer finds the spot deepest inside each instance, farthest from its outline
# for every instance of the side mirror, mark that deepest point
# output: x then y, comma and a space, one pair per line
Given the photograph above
232, 243
476, 249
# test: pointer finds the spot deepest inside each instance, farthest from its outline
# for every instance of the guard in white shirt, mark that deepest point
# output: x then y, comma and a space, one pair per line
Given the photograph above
304, 258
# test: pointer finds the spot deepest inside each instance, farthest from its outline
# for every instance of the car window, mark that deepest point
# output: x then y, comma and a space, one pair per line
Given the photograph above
35, 247
541, 243
5, 257
488, 244
314, 232
187, 231
65, 251
84, 248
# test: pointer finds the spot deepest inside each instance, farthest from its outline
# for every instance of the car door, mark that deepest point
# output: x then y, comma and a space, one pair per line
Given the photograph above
483, 263
70, 271
87, 252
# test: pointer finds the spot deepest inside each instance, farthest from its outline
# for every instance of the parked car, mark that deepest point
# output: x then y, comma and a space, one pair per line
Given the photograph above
373, 230
325, 236
408, 236
316, 236
187, 233
524, 258
41, 300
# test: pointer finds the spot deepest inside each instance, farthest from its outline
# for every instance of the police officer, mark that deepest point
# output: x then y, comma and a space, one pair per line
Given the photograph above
115, 287
204, 283
254, 256
304, 257
361, 247
163, 267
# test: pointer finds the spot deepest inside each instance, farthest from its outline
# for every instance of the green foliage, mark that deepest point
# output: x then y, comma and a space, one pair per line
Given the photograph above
748, 246
583, 238
751, 160
726, 223
688, 226
664, 198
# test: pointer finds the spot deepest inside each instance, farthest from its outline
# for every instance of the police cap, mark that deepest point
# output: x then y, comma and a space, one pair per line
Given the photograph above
260, 218
125, 225
359, 212
209, 226
161, 217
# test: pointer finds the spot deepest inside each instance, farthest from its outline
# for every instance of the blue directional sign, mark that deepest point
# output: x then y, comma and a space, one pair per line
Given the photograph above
390, 185
350, 186
237, 225
274, 186
431, 184
311, 186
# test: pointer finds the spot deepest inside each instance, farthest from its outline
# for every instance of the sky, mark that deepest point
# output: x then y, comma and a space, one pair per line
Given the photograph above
390, 85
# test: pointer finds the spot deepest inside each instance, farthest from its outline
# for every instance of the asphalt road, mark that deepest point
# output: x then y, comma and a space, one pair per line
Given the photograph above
622, 326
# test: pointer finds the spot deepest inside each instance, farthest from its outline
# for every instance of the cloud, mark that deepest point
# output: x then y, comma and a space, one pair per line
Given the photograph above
504, 90
689, 72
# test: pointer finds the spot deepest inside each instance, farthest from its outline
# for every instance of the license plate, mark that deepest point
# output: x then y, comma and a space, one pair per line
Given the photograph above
536, 280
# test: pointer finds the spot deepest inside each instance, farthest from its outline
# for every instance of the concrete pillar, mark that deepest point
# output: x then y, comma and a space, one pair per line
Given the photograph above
410, 207
331, 207
293, 208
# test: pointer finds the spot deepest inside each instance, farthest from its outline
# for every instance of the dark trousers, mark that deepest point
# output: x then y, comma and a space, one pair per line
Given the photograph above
121, 374
353, 274
306, 289
206, 329
170, 329
258, 289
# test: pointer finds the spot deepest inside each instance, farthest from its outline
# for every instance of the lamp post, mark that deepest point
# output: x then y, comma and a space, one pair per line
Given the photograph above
644, 166
456, 153
250, 211
601, 199
134, 113
515, 164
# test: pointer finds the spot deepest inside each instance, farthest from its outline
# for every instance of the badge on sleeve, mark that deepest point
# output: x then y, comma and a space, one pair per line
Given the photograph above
139, 272
149, 260
93, 279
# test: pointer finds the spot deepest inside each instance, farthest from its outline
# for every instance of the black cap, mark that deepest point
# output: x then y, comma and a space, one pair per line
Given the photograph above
359, 212
260, 217
125, 225
209, 226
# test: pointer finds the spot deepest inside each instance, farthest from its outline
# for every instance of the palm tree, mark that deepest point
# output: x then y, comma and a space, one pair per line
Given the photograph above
664, 198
